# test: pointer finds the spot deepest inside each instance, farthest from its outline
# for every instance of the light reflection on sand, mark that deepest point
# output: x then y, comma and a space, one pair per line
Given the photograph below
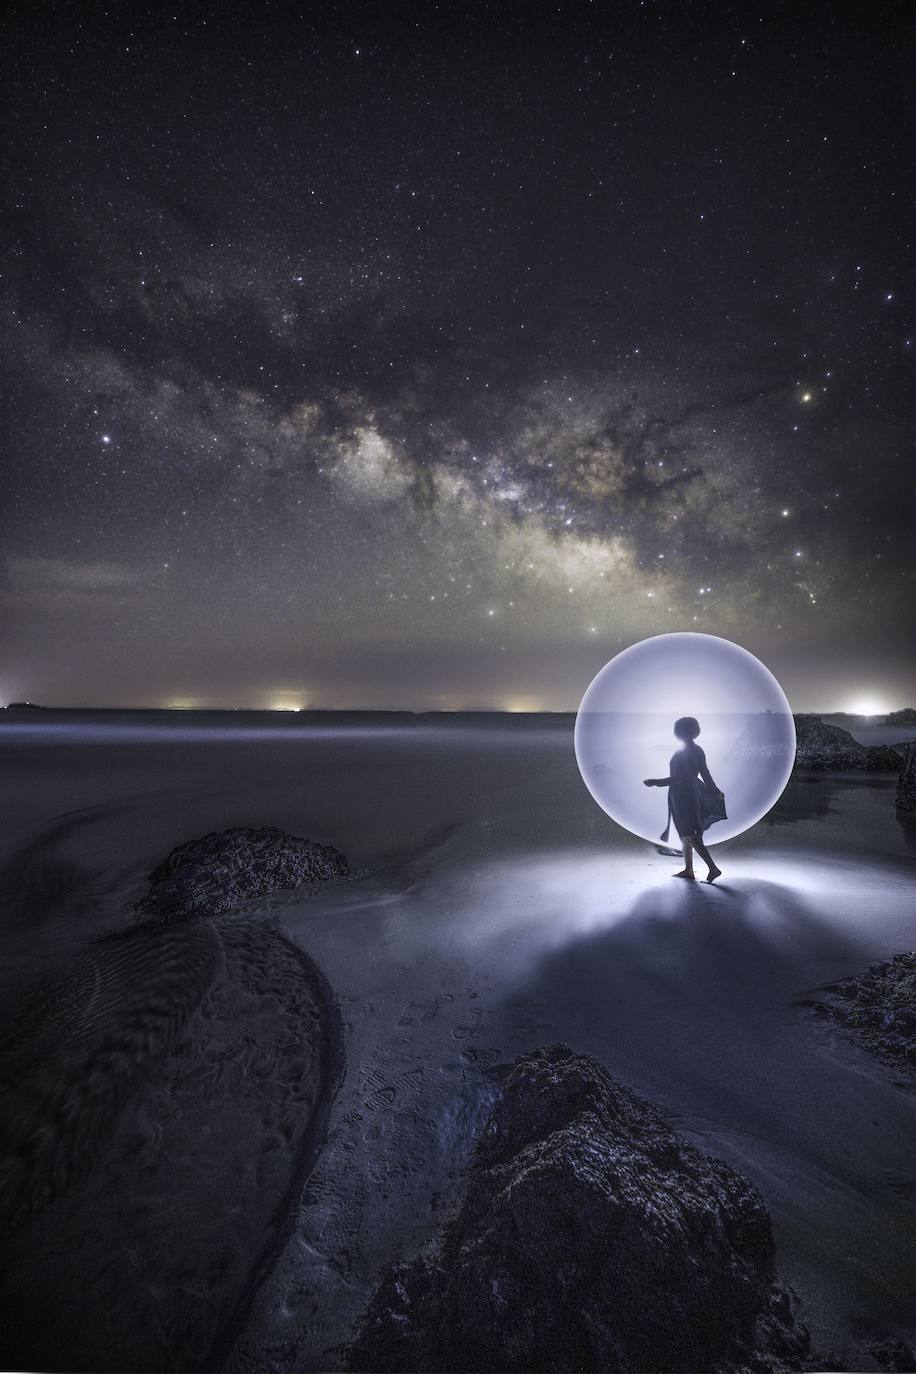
515, 909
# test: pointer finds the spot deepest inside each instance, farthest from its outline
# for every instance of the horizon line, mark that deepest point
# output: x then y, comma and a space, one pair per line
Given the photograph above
27, 706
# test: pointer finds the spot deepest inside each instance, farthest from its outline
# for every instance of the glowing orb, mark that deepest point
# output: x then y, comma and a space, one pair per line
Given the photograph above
624, 731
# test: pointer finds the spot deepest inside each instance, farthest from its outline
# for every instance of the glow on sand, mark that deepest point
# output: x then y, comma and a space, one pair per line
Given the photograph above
624, 730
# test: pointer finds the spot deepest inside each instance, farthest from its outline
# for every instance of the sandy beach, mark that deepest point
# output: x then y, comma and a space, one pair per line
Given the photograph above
491, 908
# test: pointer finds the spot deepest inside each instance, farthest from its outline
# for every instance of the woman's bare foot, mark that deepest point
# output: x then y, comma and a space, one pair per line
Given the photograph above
713, 874
684, 873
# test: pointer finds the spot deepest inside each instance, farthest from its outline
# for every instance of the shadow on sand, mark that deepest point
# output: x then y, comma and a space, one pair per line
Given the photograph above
700, 942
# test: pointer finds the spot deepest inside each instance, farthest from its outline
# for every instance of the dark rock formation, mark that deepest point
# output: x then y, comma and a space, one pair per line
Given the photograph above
221, 870
905, 717
879, 1008
906, 783
828, 747
591, 1237
894, 1355
766, 735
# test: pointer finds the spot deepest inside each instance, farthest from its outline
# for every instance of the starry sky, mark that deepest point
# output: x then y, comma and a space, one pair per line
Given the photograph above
425, 356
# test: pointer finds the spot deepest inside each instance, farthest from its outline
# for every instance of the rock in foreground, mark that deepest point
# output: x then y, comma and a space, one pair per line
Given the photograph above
879, 1008
591, 1237
219, 871
828, 747
906, 783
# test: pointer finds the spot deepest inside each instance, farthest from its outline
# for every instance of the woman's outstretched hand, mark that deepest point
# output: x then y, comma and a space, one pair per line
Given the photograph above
649, 782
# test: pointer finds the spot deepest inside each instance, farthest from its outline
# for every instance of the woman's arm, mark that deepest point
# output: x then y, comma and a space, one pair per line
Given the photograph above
656, 782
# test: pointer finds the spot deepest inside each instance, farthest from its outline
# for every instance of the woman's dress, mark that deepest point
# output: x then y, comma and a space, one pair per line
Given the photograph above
692, 804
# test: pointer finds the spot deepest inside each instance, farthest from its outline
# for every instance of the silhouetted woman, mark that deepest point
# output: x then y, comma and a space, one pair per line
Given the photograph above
694, 800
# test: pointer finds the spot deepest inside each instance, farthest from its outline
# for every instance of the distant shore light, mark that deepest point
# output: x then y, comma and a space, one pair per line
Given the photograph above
287, 701
867, 706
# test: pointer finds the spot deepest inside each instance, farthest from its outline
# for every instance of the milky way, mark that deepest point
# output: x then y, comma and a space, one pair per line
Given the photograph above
414, 357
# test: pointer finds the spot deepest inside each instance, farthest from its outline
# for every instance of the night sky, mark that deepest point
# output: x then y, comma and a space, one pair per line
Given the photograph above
425, 356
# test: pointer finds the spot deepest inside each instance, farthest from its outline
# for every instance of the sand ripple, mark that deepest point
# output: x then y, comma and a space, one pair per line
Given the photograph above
77, 1050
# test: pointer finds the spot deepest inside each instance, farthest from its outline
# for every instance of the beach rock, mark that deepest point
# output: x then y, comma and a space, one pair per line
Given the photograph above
879, 1008
766, 735
906, 783
893, 1355
828, 747
905, 717
590, 1237
219, 871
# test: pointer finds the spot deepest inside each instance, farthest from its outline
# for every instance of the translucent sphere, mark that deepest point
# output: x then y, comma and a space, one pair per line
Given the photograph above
624, 731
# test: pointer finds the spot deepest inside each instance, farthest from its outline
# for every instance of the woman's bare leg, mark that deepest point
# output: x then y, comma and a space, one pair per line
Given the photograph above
707, 858
687, 870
